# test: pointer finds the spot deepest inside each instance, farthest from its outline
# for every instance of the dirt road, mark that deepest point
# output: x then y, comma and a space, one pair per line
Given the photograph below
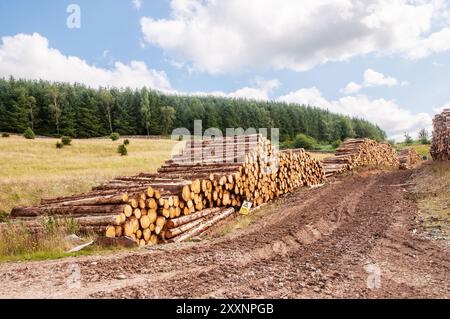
334, 241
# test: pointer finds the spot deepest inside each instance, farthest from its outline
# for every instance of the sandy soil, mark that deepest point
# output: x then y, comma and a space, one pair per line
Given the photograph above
358, 237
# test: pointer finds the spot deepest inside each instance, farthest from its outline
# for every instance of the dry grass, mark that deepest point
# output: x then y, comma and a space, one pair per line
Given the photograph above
240, 222
32, 169
431, 190
321, 156
17, 242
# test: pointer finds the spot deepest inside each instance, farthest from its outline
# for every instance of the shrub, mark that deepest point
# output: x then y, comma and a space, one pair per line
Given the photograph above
59, 145
126, 142
287, 145
66, 140
423, 137
122, 150
3, 216
336, 143
425, 140
304, 141
29, 134
114, 136
408, 139
5, 134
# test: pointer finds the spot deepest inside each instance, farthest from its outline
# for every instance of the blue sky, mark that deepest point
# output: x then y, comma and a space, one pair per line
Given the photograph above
388, 62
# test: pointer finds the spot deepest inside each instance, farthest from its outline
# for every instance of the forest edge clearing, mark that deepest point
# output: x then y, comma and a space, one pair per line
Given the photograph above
95, 146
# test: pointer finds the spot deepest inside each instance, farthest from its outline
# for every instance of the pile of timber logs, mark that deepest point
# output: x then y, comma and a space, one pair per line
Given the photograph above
360, 152
440, 145
409, 158
192, 191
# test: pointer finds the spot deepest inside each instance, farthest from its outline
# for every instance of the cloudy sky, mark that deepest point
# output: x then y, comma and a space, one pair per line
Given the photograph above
384, 60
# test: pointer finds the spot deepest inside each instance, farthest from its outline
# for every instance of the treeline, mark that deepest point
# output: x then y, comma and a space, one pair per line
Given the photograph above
55, 109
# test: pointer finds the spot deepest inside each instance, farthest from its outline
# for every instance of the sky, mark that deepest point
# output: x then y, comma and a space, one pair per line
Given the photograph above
387, 61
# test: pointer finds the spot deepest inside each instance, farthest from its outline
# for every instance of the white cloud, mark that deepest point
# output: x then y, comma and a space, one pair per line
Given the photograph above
438, 110
137, 4
391, 117
30, 57
219, 36
372, 79
351, 88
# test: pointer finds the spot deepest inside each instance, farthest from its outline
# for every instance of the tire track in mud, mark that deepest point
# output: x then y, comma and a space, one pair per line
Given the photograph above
247, 257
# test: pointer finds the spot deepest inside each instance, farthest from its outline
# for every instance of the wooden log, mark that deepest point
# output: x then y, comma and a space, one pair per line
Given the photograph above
172, 223
172, 232
70, 210
97, 200
202, 227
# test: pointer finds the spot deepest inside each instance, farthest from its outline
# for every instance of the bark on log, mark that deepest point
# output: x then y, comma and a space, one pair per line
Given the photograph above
200, 228
173, 223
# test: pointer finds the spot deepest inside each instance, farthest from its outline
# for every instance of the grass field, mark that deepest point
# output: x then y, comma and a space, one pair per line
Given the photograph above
32, 169
422, 149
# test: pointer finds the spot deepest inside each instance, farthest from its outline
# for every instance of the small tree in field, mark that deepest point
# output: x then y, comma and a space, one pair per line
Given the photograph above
29, 134
66, 140
114, 136
122, 150
408, 139
423, 136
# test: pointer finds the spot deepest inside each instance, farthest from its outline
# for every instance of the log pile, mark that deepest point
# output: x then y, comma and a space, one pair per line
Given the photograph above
440, 145
193, 190
409, 158
360, 152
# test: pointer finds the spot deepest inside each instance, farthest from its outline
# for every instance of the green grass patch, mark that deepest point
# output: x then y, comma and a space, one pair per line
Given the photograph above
422, 149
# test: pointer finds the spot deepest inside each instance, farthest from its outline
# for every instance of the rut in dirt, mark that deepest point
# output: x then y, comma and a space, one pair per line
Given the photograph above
318, 244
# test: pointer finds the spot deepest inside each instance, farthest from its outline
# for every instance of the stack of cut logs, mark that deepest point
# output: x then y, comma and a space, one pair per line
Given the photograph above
409, 158
440, 146
188, 194
360, 152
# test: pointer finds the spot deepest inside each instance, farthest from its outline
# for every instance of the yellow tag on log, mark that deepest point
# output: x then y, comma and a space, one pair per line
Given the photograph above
245, 208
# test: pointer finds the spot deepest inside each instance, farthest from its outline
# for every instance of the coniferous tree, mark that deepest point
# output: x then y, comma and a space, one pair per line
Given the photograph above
79, 111
145, 110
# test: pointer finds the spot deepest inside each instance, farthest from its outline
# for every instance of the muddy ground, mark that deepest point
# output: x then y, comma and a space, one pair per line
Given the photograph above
357, 237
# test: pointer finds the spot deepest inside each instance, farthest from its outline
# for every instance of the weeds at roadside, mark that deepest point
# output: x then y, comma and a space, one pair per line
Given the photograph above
431, 192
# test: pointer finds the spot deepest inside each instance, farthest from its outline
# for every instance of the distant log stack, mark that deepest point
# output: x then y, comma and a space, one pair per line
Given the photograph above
409, 158
360, 152
440, 146
190, 192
